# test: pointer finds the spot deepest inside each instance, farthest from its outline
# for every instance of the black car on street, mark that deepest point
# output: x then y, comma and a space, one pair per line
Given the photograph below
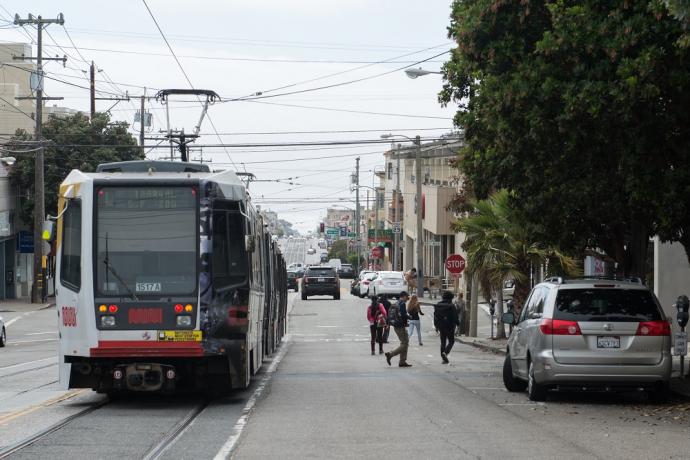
293, 280
346, 271
321, 280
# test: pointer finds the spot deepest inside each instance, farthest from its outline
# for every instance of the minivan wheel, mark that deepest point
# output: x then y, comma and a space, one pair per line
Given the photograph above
304, 295
535, 392
511, 383
336, 296
3, 337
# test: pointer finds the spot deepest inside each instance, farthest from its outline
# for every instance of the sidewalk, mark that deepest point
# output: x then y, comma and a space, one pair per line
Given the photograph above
681, 387
24, 305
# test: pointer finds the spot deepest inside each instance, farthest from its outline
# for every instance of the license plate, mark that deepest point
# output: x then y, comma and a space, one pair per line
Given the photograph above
608, 342
179, 336
320, 280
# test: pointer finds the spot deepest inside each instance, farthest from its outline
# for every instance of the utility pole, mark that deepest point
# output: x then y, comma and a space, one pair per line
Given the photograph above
420, 228
92, 89
396, 236
357, 218
142, 124
38, 287
92, 92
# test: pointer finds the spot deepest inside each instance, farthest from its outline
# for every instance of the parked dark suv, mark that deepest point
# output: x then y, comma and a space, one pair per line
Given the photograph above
321, 280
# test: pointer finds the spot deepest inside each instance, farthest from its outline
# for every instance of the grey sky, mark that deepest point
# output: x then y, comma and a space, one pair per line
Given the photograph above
219, 43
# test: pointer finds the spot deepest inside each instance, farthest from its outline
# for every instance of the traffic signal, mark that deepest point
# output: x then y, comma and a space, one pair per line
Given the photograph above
322, 227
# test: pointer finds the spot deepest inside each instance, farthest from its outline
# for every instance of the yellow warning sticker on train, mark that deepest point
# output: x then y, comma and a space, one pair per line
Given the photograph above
179, 336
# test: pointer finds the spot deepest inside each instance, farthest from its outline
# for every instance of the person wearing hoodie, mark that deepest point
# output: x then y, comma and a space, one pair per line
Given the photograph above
445, 321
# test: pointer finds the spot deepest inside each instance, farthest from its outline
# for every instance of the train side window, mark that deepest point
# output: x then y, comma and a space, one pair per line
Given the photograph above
229, 265
70, 262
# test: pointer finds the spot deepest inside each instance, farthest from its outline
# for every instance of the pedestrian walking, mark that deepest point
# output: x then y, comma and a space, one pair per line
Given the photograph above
461, 309
377, 317
397, 317
387, 305
414, 309
411, 278
445, 321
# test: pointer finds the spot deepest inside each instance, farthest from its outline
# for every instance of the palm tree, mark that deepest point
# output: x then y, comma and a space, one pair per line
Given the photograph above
499, 247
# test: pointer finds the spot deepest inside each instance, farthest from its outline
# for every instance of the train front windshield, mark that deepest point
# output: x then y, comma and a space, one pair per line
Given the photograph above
146, 241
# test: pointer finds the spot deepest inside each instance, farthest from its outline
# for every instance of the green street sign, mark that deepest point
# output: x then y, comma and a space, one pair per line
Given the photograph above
352, 235
333, 232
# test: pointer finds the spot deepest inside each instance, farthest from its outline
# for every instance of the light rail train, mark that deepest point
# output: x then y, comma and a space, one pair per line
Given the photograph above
166, 278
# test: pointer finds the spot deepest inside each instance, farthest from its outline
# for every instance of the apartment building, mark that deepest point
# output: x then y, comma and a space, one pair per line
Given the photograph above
439, 186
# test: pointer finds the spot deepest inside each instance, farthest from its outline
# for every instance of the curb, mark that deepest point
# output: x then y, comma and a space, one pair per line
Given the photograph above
481, 345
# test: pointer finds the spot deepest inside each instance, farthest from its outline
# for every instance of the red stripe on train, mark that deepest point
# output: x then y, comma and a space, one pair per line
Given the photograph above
145, 348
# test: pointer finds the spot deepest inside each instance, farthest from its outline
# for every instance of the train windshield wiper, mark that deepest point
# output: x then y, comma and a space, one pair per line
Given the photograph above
112, 270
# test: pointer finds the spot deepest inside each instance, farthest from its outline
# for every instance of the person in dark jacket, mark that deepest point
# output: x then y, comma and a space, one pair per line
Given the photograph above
399, 326
445, 321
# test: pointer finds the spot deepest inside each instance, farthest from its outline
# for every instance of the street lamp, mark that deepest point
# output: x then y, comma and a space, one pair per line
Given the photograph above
419, 72
418, 182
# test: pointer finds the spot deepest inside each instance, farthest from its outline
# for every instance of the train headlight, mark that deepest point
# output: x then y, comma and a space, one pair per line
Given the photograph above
107, 321
184, 321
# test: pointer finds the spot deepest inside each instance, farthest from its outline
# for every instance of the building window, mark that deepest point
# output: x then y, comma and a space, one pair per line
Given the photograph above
70, 261
390, 171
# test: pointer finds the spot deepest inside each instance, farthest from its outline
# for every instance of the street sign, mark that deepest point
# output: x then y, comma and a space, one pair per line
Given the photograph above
352, 235
681, 343
396, 227
455, 263
343, 231
332, 232
377, 252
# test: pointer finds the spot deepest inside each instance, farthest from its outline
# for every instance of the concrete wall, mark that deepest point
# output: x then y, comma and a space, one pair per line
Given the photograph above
671, 275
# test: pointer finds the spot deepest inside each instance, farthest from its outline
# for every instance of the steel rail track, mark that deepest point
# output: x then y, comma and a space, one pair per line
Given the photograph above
24, 371
176, 432
6, 452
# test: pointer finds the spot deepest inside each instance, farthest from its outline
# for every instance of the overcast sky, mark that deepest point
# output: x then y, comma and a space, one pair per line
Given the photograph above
241, 47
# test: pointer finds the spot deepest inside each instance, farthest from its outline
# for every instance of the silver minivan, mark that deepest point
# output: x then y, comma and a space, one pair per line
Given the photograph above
589, 334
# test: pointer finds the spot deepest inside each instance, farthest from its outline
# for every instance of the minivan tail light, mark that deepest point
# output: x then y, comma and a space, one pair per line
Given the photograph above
550, 326
654, 328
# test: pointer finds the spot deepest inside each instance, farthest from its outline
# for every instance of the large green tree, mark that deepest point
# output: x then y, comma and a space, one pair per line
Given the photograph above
581, 109
74, 142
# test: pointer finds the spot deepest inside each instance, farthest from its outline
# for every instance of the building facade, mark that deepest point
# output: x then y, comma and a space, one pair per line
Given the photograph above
440, 184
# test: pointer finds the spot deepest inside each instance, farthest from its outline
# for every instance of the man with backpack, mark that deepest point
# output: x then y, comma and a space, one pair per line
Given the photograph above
397, 317
445, 321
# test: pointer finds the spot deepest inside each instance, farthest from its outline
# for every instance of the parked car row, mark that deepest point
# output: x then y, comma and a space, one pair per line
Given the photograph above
386, 283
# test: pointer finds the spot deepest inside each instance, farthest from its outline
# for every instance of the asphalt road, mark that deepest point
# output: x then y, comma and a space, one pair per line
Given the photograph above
324, 396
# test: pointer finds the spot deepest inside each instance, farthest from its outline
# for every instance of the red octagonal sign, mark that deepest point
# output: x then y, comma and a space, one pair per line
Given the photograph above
455, 263
377, 252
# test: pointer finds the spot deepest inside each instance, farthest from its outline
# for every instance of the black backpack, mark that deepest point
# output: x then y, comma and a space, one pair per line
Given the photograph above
394, 316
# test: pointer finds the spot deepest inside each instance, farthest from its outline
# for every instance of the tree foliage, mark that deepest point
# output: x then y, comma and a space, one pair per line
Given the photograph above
581, 109
74, 143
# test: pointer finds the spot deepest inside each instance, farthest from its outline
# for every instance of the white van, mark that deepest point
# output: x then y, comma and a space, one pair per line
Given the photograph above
335, 263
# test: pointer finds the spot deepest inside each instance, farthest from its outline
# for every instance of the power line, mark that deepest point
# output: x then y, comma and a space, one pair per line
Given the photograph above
243, 59
330, 109
179, 64
335, 85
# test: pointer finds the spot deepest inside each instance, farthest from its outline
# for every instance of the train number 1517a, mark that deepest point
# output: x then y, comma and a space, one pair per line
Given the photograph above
69, 316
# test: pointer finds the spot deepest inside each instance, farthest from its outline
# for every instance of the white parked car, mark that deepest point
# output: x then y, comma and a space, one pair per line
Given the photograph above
388, 284
364, 282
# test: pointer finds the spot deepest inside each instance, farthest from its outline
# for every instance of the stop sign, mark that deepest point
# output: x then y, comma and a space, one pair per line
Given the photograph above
455, 263
377, 252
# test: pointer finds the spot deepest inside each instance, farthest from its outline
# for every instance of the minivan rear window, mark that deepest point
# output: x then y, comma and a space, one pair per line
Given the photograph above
606, 305
321, 272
